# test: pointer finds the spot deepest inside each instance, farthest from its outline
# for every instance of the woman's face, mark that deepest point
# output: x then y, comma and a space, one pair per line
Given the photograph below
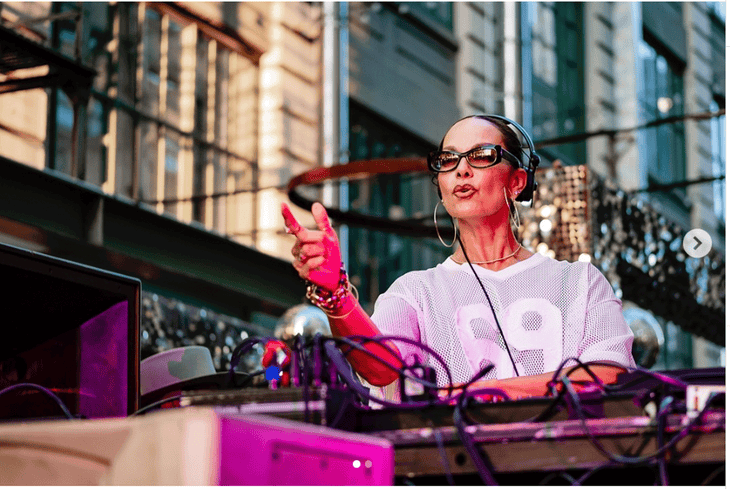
477, 192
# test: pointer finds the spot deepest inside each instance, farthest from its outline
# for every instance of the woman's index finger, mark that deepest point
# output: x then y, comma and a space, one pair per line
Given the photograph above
320, 217
290, 221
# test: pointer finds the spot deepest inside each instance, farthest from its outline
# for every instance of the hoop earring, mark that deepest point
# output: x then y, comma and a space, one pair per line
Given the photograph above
516, 221
435, 223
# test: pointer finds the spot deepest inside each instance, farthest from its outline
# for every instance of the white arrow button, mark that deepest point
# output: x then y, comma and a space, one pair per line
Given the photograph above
697, 243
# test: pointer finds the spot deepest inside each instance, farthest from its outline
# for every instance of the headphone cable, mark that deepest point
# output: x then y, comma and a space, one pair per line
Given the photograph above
494, 313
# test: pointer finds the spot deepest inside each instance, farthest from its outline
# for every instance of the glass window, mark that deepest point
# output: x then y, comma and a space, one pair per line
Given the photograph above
172, 116
98, 117
151, 44
172, 58
64, 132
662, 97
64, 30
717, 125
439, 12
557, 76
172, 155
544, 45
147, 142
376, 258
718, 9
677, 351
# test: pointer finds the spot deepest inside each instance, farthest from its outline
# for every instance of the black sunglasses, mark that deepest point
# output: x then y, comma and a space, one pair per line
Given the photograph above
482, 157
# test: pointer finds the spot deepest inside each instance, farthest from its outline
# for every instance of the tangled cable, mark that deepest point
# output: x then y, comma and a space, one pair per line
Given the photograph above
323, 359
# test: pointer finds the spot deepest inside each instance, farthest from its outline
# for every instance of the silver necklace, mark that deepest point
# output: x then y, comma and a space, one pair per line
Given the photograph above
490, 261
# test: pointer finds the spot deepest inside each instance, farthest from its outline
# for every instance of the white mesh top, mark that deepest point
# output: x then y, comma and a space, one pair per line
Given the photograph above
549, 310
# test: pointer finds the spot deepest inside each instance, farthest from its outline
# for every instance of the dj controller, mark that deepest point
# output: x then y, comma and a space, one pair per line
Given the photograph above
618, 436
308, 420
95, 413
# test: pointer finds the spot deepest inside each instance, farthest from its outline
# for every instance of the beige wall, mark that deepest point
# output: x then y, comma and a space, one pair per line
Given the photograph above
289, 115
624, 70
479, 63
602, 55
23, 114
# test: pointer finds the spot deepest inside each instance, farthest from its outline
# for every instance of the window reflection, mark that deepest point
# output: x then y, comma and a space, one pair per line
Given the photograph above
717, 128
172, 118
556, 66
662, 97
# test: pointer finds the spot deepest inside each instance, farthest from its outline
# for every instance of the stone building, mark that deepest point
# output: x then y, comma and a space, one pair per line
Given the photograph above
199, 114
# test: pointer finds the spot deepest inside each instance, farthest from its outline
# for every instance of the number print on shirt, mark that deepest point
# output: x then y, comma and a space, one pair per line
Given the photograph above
528, 324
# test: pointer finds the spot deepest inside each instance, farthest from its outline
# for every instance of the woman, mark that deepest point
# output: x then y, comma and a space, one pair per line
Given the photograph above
547, 310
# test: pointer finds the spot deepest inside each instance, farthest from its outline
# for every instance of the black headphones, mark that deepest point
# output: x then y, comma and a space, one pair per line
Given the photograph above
529, 162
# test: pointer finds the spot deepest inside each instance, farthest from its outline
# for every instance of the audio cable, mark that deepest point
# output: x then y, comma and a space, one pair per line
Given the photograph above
494, 313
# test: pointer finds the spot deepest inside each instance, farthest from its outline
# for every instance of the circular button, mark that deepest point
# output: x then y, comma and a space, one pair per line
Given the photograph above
273, 373
697, 243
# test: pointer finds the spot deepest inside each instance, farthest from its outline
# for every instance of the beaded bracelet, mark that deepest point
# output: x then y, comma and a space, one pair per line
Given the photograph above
326, 300
354, 291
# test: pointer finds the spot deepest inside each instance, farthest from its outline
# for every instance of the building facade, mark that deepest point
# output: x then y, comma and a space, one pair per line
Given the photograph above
161, 137
201, 113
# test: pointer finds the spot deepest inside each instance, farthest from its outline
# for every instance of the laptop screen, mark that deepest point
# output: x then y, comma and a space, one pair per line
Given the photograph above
70, 328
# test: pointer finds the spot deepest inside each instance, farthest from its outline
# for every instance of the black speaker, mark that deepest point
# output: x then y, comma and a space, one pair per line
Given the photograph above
72, 329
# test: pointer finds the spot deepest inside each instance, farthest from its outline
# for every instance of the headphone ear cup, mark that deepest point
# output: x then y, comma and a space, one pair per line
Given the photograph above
530, 187
534, 160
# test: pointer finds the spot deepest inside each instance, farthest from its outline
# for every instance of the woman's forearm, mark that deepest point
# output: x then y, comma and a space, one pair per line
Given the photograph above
352, 319
318, 260
536, 385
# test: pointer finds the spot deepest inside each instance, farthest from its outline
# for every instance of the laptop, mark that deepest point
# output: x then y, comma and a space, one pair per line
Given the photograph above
72, 329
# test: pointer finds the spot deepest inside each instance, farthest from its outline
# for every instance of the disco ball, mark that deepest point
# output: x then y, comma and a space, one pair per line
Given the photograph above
304, 319
648, 336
